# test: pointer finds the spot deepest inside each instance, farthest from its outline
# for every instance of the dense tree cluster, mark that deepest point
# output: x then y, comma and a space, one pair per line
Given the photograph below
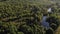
24, 18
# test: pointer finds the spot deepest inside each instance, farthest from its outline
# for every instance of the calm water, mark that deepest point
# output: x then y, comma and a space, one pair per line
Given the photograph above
44, 23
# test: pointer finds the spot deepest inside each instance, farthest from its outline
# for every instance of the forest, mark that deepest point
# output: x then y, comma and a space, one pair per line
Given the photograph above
25, 17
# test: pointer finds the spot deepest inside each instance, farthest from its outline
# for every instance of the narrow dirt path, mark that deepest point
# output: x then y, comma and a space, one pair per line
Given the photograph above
58, 30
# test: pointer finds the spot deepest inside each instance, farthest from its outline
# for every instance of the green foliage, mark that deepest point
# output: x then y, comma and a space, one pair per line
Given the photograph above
23, 17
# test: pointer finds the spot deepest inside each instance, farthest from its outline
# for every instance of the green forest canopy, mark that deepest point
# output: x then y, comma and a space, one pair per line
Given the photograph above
17, 17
